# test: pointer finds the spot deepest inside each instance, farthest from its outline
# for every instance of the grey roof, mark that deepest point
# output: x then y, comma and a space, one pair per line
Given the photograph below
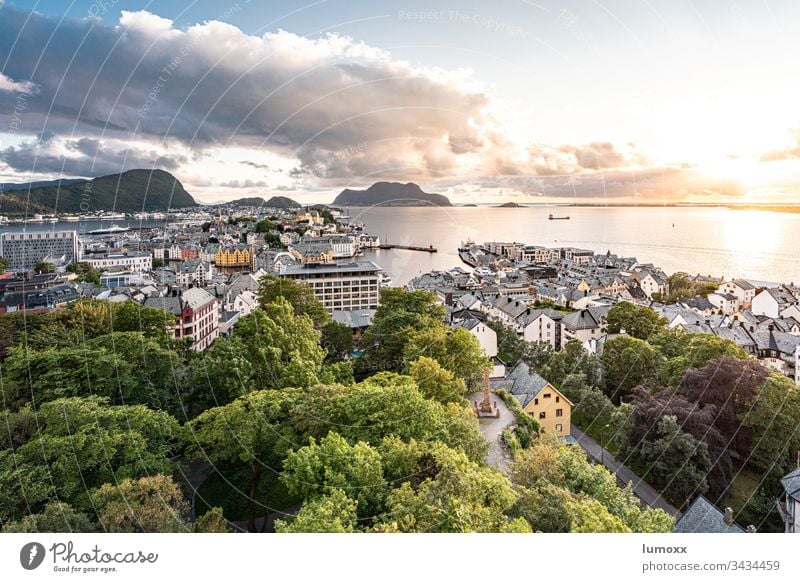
743, 284
349, 267
704, 517
791, 484
584, 319
526, 383
354, 318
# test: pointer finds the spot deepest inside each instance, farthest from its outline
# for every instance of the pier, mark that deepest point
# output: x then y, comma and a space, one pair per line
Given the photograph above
428, 249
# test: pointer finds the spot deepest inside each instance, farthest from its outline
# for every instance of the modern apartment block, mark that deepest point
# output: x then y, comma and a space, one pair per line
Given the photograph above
340, 286
23, 250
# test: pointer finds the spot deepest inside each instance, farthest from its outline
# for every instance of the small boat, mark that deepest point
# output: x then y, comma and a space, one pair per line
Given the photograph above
551, 217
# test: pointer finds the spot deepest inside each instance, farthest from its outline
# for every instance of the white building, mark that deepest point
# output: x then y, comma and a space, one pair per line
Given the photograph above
486, 336
130, 261
727, 303
340, 286
23, 250
789, 505
743, 290
774, 302
194, 271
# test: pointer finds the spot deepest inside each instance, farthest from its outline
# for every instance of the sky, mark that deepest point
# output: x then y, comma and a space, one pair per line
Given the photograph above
515, 100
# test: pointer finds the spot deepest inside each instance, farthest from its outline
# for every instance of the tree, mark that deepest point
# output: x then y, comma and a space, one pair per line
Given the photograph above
56, 517
299, 295
265, 225
636, 321
574, 386
213, 521
334, 464
628, 362
456, 350
457, 495
692, 351
510, 347
247, 438
74, 445
158, 263
773, 420
537, 354
681, 287
677, 462
85, 272
3, 265
399, 315
331, 513
43, 267
573, 359
593, 405
219, 376
437, 383
337, 341
153, 504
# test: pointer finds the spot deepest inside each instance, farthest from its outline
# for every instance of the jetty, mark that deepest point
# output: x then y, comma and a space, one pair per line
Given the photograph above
428, 249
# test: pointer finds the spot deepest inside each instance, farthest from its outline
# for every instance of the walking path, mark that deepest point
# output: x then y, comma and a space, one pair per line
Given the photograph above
642, 489
491, 428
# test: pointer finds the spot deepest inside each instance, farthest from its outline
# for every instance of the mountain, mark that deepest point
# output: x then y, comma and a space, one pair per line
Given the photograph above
131, 191
509, 205
390, 194
274, 202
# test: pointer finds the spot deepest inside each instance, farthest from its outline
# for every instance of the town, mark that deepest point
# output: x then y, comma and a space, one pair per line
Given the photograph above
555, 323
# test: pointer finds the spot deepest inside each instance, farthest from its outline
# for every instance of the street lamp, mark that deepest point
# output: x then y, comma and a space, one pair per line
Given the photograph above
602, 449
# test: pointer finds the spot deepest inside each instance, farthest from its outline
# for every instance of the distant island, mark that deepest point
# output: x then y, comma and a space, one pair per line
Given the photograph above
274, 202
131, 191
510, 205
390, 194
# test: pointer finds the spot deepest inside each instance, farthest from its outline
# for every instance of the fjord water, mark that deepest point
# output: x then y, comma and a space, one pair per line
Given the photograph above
756, 244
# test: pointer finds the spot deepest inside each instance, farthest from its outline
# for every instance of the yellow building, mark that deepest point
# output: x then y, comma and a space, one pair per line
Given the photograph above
541, 400
233, 256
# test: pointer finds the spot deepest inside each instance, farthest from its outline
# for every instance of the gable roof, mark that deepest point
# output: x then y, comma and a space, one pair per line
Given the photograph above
702, 516
791, 484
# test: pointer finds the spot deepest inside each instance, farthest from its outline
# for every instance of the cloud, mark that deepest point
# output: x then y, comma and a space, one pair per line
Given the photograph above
790, 153
344, 111
84, 157
9, 85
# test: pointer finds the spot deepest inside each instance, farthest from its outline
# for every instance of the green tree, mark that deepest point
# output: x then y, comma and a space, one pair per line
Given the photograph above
696, 351
152, 504
43, 267
572, 359
265, 225
337, 341
677, 461
85, 272
399, 315
56, 517
3, 265
456, 350
246, 438
510, 347
334, 464
627, 363
331, 513
299, 295
457, 496
213, 521
638, 322
437, 383
774, 419
74, 445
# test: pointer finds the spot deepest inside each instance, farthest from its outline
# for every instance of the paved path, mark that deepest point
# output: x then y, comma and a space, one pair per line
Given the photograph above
642, 489
491, 428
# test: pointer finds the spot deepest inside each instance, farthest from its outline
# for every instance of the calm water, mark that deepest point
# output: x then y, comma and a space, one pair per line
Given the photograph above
717, 241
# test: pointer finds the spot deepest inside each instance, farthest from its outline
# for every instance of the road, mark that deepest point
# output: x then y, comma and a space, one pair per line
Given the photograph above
642, 489
491, 429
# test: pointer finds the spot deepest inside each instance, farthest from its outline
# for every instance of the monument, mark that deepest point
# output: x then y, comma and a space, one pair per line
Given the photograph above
486, 409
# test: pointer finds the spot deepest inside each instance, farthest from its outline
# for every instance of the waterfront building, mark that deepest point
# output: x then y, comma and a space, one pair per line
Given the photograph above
340, 286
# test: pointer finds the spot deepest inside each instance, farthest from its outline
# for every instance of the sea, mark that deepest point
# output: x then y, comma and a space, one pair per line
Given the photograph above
760, 245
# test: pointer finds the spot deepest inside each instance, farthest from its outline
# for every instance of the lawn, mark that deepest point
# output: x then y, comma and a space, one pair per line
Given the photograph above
217, 492
745, 483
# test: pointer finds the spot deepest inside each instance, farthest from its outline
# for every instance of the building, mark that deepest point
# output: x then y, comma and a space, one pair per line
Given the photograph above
774, 302
744, 291
583, 326
702, 516
197, 315
540, 399
233, 256
485, 335
311, 250
340, 286
789, 504
23, 250
131, 261
194, 271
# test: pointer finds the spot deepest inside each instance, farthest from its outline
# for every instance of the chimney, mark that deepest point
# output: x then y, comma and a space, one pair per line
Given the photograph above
728, 517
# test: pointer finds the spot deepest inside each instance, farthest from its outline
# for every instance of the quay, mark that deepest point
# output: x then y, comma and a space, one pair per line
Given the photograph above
428, 249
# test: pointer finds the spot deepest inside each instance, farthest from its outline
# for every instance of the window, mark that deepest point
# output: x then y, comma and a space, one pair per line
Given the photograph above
542, 414
559, 412
558, 398
559, 428
546, 395
536, 402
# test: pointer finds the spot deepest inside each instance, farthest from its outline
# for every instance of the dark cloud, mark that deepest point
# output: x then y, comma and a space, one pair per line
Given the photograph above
85, 157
